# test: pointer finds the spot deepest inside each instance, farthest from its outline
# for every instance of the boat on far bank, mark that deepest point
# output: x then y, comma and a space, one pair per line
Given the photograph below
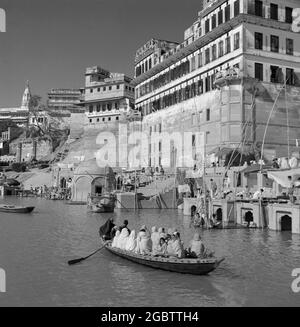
15, 209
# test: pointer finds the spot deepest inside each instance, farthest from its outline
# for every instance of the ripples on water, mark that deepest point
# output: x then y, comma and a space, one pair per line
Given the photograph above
35, 248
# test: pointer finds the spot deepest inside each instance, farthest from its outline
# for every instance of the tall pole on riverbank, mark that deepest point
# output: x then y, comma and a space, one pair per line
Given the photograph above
135, 198
204, 184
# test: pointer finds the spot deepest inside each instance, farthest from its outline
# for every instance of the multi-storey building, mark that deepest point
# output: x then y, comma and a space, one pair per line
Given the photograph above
235, 73
109, 105
107, 96
64, 99
151, 53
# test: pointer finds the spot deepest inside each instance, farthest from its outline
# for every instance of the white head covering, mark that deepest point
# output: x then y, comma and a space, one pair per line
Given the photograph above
115, 240
131, 242
162, 232
196, 245
155, 237
122, 240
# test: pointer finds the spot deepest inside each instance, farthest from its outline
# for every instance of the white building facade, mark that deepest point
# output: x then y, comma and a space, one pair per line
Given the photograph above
235, 73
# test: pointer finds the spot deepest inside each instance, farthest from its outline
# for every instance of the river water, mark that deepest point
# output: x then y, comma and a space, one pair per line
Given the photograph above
35, 248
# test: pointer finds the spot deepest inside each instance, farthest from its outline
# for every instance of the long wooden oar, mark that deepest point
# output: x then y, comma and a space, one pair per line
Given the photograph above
74, 262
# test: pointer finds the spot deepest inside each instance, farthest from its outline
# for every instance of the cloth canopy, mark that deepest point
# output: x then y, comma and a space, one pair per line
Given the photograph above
254, 168
281, 176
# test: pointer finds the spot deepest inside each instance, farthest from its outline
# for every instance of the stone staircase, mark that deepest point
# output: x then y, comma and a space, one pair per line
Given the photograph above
160, 193
160, 185
60, 153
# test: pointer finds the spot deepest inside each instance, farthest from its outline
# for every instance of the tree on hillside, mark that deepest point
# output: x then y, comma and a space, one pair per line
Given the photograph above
50, 129
4, 125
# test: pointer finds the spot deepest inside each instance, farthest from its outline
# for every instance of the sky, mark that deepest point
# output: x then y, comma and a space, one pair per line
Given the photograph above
51, 42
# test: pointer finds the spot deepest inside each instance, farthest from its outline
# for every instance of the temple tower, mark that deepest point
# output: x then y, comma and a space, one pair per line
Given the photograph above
26, 98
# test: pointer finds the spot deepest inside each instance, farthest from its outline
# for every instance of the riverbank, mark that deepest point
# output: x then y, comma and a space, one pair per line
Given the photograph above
33, 178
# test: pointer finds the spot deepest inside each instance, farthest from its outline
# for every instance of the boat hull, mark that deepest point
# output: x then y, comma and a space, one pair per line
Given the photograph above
102, 208
76, 203
102, 204
183, 266
16, 209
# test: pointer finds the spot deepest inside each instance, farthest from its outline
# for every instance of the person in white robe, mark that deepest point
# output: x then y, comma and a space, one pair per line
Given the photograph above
115, 240
155, 237
162, 233
175, 246
196, 246
122, 240
131, 242
143, 245
161, 249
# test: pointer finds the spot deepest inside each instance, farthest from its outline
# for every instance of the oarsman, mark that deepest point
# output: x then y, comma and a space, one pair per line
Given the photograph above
106, 229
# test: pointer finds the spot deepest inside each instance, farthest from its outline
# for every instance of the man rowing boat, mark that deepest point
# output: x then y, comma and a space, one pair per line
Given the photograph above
105, 230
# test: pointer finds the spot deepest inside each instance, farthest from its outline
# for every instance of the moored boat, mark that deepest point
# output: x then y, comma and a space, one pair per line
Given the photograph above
101, 208
185, 266
104, 203
15, 209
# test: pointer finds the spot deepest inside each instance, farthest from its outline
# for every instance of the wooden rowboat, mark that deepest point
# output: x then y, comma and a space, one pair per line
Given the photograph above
101, 208
15, 209
184, 266
104, 203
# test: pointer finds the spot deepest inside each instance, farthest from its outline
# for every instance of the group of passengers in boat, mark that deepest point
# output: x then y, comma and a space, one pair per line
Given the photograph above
157, 243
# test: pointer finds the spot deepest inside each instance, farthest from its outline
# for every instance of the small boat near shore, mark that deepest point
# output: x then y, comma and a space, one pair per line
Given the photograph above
15, 209
101, 208
102, 204
184, 266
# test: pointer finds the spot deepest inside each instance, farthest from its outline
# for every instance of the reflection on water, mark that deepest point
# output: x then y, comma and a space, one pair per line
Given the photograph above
35, 248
